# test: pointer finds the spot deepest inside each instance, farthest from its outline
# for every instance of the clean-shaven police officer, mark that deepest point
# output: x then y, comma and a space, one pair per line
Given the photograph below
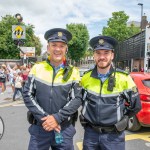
51, 94
110, 97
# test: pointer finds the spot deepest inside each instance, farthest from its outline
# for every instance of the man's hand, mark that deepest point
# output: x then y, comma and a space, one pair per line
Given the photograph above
50, 123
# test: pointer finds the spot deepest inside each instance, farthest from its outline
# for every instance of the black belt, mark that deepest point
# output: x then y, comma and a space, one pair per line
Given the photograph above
103, 129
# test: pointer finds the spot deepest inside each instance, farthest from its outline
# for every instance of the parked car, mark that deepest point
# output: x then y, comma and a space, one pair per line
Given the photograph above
142, 118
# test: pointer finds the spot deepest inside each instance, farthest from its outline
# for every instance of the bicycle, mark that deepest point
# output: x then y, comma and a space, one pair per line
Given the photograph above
2, 127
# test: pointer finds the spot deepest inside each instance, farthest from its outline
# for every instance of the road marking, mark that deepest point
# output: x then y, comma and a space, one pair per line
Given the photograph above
143, 136
11, 104
79, 145
18, 105
147, 144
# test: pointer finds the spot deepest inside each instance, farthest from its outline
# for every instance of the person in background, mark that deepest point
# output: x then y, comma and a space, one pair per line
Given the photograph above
135, 69
3, 77
142, 70
127, 69
18, 84
25, 73
11, 72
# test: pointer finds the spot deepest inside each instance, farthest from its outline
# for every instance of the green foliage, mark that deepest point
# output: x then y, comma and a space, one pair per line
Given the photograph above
133, 30
8, 50
117, 27
79, 43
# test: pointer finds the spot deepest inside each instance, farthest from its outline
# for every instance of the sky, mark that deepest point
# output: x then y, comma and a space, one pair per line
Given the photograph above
48, 14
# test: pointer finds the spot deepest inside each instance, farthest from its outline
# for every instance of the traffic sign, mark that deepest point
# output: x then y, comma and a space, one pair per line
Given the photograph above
28, 51
18, 32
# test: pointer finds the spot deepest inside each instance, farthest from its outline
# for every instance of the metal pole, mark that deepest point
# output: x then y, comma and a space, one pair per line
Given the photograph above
140, 4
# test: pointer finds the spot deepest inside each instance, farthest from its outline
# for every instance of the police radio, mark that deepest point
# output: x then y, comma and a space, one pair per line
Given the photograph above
67, 73
111, 83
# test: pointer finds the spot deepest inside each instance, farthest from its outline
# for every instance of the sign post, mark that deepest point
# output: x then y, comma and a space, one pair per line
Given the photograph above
19, 33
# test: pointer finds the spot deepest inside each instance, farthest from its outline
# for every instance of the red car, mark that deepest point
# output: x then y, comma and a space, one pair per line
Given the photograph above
142, 80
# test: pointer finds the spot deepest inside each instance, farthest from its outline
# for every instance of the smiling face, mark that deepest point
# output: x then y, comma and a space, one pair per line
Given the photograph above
103, 59
57, 51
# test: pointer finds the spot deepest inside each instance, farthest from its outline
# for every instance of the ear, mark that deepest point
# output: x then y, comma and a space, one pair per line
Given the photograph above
112, 56
67, 50
48, 47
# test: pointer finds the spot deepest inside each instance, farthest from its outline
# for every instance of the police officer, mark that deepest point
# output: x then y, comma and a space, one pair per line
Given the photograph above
109, 98
52, 94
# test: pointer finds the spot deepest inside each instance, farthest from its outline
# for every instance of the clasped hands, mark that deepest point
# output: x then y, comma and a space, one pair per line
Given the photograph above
50, 123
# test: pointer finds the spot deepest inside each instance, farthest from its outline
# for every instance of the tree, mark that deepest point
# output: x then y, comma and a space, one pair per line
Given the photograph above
117, 27
8, 50
79, 43
133, 30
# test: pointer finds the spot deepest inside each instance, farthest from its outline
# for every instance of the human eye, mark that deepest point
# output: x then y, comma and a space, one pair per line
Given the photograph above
53, 45
63, 46
107, 53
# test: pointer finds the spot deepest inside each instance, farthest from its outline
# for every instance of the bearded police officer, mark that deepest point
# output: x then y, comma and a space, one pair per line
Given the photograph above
52, 94
110, 97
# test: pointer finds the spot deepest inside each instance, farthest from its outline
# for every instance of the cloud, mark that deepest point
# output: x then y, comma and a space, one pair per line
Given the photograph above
48, 14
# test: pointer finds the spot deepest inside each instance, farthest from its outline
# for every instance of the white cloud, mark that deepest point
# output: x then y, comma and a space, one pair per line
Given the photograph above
48, 14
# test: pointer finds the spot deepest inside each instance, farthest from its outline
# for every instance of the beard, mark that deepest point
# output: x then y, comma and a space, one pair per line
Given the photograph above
104, 66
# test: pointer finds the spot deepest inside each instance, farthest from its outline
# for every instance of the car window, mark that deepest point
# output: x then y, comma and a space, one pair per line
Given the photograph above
146, 82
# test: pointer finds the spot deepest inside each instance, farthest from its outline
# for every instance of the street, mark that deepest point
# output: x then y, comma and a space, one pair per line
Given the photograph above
16, 134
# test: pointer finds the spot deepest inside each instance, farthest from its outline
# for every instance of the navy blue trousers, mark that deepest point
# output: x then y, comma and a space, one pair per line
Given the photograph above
43, 140
103, 141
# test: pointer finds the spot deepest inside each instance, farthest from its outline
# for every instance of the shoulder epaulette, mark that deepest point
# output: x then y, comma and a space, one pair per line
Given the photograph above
122, 71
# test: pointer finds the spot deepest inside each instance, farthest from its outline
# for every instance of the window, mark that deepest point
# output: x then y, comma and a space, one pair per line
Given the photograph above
146, 82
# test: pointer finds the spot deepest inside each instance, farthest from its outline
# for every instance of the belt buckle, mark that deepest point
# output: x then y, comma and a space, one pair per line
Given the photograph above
101, 130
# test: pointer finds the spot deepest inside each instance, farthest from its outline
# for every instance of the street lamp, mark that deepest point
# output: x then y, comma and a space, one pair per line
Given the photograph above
19, 18
140, 4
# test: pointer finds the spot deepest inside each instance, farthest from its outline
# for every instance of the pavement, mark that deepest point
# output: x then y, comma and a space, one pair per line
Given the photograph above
7, 96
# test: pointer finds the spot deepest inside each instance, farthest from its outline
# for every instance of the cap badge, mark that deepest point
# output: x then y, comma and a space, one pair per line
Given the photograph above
101, 41
60, 34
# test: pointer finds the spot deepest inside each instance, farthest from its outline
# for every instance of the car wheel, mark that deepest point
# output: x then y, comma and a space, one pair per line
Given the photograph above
133, 124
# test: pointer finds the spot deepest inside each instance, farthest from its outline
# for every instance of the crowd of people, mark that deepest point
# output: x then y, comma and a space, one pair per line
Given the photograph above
15, 76
135, 69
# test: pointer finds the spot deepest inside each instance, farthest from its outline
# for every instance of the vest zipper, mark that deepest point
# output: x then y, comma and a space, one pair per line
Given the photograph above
101, 85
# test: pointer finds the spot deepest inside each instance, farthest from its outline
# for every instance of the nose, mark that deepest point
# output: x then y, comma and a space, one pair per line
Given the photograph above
58, 48
101, 56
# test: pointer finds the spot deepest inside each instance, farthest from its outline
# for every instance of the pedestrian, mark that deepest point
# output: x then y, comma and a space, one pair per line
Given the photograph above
109, 98
3, 77
135, 69
11, 72
142, 69
127, 69
18, 80
25, 73
52, 94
